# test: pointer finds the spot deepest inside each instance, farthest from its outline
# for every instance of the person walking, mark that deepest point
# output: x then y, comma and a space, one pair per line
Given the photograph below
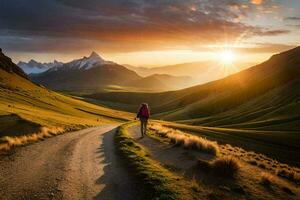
143, 114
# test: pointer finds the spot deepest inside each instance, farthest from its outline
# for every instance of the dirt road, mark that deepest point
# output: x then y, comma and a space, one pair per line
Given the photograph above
77, 165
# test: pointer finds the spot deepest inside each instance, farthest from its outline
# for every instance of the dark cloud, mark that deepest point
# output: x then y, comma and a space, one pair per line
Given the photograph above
272, 32
292, 18
32, 25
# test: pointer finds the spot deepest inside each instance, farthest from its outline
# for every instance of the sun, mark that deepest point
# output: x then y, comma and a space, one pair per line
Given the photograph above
227, 57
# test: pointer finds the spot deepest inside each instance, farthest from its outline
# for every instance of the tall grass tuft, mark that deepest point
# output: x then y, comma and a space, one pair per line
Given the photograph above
226, 166
187, 141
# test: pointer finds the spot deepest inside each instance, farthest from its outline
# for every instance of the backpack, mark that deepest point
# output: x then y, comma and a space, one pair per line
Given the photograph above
144, 112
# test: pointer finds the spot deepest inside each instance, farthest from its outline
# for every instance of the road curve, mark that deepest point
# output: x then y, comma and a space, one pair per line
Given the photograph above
77, 165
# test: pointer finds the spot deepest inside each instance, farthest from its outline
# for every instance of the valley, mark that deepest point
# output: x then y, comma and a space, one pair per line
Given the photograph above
256, 108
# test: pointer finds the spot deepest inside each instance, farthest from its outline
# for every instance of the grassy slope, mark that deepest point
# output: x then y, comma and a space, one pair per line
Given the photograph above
21, 101
266, 87
275, 107
155, 181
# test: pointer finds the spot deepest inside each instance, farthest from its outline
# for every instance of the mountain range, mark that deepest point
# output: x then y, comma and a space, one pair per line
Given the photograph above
93, 73
34, 67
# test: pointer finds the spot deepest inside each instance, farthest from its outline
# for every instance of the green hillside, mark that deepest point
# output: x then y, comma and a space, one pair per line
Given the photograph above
257, 95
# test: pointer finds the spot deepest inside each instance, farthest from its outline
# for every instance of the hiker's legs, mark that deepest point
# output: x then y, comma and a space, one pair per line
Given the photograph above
142, 128
145, 126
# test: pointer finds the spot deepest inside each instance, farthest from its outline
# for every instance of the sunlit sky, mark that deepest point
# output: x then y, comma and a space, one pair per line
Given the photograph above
148, 32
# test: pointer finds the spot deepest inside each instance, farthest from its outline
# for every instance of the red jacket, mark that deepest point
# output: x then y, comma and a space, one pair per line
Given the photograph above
144, 112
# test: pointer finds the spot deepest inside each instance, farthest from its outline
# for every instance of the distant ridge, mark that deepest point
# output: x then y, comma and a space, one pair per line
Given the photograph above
34, 67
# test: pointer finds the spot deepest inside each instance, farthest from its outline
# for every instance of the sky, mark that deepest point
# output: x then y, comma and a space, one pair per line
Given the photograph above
148, 32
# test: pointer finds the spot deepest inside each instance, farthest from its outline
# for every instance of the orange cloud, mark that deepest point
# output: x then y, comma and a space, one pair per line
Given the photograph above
257, 2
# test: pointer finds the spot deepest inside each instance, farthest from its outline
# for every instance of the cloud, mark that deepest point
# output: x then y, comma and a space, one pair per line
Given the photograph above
272, 32
257, 2
292, 18
120, 25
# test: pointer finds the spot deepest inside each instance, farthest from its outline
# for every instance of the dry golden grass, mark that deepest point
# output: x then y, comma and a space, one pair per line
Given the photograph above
276, 172
194, 142
195, 185
267, 179
274, 167
224, 166
45, 132
185, 140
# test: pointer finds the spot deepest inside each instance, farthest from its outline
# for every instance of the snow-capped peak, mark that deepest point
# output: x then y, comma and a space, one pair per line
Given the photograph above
88, 62
94, 55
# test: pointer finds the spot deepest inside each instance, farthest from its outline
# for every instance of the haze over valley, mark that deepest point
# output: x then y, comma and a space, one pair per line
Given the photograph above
135, 78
